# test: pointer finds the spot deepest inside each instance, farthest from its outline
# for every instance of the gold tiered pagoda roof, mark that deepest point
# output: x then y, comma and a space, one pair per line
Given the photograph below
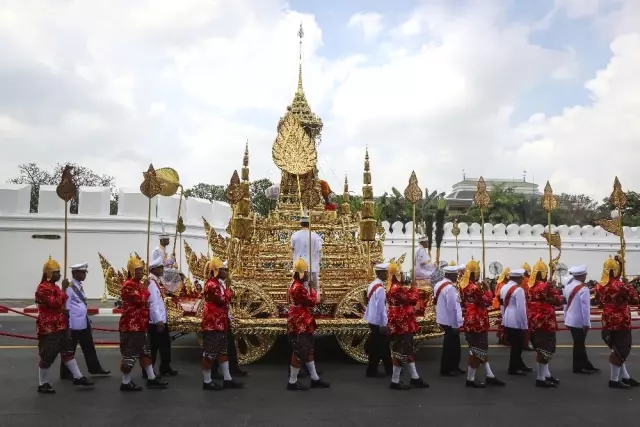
300, 108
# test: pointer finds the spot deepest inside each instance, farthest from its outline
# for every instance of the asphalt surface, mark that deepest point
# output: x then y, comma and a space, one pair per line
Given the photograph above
353, 399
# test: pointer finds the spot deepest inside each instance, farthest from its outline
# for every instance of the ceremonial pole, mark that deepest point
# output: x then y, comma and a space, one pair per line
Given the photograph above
619, 199
482, 200
67, 191
150, 187
455, 230
549, 203
413, 194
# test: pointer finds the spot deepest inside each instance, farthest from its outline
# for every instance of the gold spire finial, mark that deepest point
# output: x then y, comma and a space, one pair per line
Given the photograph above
300, 36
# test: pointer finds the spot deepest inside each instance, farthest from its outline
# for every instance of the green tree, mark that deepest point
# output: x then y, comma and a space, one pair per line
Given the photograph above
210, 192
259, 201
260, 204
630, 213
34, 175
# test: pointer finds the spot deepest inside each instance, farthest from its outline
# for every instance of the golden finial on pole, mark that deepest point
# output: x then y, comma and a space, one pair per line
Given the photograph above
413, 194
549, 203
619, 199
150, 187
67, 191
455, 230
482, 200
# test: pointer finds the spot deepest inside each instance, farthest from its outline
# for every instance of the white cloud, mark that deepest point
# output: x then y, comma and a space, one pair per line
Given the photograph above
117, 84
370, 23
589, 145
581, 8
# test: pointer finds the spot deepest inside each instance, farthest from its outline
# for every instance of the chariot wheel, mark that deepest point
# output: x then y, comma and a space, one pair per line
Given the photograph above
353, 306
250, 301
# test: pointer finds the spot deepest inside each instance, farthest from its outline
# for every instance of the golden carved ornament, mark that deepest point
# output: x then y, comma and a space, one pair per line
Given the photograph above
67, 188
413, 192
481, 198
151, 186
549, 201
455, 230
293, 150
610, 225
618, 198
310, 192
234, 189
180, 227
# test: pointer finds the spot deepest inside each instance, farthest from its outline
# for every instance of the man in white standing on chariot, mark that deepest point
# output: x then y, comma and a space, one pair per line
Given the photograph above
300, 249
172, 278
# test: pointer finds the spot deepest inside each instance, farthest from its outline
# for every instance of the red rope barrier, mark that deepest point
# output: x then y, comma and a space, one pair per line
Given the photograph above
35, 317
27, 337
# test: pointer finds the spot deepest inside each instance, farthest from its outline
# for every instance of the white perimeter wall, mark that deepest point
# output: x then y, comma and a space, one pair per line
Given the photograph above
93, 230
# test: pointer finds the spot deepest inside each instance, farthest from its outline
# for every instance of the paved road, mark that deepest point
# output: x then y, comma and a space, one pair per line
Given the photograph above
352, 401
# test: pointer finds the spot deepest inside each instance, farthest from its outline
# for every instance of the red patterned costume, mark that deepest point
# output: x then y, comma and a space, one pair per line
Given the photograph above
476, 299
301, 326
615, 297
54, 337
134, 323
215, 325
541, 315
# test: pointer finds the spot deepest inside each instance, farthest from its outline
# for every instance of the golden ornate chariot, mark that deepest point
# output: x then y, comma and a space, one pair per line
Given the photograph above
260, 261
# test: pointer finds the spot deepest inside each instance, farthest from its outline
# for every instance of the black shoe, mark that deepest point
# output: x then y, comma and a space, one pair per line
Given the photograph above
418, 383
516, 372
545, 384
83, 381
593, 369
584, 371
630, 382
46, 389
475, 384
231, 384
376, 375
156, 383
296, 387
618, 384
320, 383
495, 381
100, 372
130, 387
460, 371
168, 372
553, 380
211, 386
449, 373
526, 368
399, 386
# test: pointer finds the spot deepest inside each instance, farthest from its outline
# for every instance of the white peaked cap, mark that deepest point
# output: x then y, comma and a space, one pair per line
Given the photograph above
158, 262
382, 267
518, 272
578, 270
80, 267
451, 269
423, 239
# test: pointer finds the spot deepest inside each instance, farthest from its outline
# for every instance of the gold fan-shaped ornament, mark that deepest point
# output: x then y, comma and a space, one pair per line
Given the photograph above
67, 188
294, 151
234, 190
151, 186
413, 192
169, 181
549, 201
481, 198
